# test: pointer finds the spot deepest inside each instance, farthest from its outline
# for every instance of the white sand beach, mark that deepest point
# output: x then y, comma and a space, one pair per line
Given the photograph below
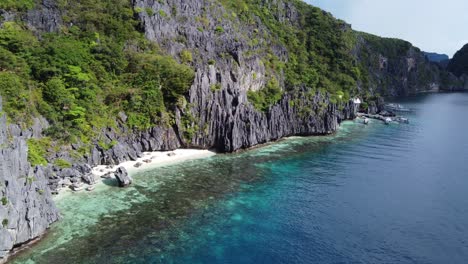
149, 160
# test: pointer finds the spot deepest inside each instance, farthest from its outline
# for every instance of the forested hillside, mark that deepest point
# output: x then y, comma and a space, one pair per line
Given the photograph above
96, 62
458, 65
90, 82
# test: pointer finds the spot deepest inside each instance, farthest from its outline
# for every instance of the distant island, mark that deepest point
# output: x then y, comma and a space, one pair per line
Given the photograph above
436, 57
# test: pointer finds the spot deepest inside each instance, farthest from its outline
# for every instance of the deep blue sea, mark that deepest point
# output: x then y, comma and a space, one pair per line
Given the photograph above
369, 194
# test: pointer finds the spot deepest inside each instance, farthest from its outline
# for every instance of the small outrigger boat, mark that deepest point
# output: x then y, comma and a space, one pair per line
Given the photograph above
366, 121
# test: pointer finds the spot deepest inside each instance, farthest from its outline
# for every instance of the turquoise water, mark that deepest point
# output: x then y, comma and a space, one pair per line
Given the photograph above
369, 194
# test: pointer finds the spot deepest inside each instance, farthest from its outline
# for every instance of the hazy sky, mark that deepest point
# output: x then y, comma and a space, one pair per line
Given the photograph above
432, 25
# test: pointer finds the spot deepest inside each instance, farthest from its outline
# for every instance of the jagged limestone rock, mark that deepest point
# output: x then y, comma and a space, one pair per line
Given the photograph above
26, 207
122, 177
224, 118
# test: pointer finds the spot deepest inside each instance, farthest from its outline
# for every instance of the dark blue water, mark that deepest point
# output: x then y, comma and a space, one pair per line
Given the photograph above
370, 194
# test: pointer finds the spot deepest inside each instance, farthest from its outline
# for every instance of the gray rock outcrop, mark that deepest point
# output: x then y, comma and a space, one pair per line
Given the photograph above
122, 177
26, 205
223, 119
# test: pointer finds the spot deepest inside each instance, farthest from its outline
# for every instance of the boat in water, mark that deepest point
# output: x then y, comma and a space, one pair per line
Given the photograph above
402, 120
396, 108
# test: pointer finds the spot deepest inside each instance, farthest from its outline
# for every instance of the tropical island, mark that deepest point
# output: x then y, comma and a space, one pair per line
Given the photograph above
88, 85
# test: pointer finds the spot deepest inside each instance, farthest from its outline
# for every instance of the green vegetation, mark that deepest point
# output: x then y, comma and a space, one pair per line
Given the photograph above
219, 30
186, 56
162, 13
106, 146
459, 64
81, 77
389, 47
5, 223
63, 164
4, 201
149, 11
267, 96
37, 150
100, 64
20, 5
364, 106
30, 180
319, 46
215, 87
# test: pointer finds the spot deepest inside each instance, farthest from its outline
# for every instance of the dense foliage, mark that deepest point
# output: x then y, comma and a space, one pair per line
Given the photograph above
19, 5
319, 47
390, 47
459, 63
267, 96
100, 64
80, 78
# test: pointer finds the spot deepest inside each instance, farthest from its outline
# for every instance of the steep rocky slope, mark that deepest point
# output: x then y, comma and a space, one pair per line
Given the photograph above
396, 68
458, 65
237, 49
26, 208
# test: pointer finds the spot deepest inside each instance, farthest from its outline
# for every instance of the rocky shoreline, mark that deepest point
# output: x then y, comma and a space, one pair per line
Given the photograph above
27, 219
149, 160
221, 119
27, 209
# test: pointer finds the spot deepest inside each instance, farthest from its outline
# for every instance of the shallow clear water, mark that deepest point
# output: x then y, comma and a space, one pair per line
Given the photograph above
370, 194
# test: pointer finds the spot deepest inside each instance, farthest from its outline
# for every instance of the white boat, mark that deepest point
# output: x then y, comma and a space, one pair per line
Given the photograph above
366, 121
402, 120
388, 120
396, 108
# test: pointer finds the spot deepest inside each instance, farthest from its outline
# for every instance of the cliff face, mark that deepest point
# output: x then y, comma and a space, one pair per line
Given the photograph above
396, 68
458, 65
26, 208
224, 119
229, 56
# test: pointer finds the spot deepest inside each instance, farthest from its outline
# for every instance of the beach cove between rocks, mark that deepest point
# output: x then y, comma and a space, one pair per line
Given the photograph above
105, 174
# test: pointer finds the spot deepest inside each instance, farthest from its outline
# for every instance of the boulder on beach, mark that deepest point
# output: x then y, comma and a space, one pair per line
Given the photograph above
122, 177
89, 178
138, 164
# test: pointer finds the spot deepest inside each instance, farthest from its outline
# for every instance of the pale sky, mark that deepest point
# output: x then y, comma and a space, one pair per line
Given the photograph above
432, 25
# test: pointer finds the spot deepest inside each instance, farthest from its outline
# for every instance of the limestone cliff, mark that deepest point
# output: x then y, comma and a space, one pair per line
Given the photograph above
397, 68
458, 65
26, 208
230, 57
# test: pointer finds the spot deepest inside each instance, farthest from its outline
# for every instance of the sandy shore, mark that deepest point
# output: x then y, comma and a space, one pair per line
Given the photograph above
149, 160
155, 159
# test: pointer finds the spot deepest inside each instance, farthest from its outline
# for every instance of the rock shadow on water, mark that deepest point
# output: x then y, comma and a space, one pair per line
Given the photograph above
112, 182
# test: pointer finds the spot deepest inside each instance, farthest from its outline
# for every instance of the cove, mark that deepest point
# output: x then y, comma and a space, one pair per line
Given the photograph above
369, 194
